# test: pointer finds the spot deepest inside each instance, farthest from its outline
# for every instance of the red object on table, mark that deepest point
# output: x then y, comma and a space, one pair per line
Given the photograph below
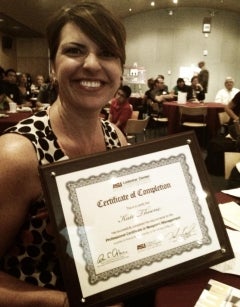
186, 292
171, 111
12, 119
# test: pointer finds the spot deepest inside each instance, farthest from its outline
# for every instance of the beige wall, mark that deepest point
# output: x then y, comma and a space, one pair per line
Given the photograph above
26, 55
32, 56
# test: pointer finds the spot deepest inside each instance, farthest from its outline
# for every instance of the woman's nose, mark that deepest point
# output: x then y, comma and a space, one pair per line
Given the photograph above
91, 61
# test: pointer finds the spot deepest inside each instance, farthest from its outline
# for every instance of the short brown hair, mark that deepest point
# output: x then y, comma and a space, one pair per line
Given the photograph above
97, 22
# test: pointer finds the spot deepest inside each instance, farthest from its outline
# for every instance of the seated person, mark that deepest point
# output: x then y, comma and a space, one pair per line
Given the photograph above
225, 95
24, 89
4, 102
230, 142
160, 91
180, 87
120, 108
48, 93
233, 108
9, 87
35, 88
196, 92
147, 96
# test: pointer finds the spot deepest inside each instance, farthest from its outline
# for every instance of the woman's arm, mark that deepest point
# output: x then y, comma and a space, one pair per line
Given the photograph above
19, 186
229, 111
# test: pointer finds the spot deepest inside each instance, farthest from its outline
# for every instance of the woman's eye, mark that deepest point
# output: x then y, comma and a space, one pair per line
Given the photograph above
107, 54
75, 51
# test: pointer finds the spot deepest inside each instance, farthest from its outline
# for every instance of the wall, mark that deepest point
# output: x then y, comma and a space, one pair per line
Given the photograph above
159, 42
8, 57
162, 43
28, 55
32, 56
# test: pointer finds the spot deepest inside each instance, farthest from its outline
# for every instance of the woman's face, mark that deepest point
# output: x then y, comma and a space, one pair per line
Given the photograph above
88, 77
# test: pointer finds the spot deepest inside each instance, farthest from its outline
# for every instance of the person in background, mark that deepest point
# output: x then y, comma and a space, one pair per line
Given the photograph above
147, 99
225, 143
203, 76
2, 73
225, 95
35, 87
195, 92
120, 108
9, 87
160, 91
4, 101
48, 93
180, 86
163, 78
233, 108
25, 90
87, 54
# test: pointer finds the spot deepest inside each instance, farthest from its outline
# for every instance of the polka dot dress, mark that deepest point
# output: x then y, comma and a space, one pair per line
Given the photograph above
32, 257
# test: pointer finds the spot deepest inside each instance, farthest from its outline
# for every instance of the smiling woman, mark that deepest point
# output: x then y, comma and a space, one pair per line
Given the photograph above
87, 50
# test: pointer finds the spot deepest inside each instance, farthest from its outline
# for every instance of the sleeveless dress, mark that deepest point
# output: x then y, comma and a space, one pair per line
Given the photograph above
32, 256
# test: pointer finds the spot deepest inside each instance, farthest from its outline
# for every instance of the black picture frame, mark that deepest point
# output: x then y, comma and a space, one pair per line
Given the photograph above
167, 148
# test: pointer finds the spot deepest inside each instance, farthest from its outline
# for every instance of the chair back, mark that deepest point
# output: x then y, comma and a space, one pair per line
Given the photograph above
198, 111
136, 126
135, 114
223, 118
230, 160
193, 111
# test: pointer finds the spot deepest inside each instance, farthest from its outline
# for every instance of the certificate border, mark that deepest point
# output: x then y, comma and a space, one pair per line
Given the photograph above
72, 187
47, 175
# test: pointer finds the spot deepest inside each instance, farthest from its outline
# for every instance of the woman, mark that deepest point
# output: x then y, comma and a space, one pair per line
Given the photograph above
87, 51
196, 92
25, 90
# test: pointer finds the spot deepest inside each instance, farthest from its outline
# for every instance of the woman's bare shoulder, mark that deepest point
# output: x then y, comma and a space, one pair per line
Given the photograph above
15, 146
18, 163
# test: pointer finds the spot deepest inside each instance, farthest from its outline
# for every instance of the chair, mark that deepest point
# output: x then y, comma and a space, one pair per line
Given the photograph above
136, 127
223, 120
158, 120
194, 118
135, 114
230, 160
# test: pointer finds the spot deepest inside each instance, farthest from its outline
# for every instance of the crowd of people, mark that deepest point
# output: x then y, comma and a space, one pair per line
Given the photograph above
158, 92
24, 91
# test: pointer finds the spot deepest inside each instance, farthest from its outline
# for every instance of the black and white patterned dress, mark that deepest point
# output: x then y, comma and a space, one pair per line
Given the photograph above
32, 257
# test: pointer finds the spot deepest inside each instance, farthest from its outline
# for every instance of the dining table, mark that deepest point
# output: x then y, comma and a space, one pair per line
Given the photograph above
186, 291
8, 119
171, 111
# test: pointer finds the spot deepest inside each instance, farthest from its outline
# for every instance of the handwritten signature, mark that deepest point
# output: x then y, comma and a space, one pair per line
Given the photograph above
182, 233
114, 254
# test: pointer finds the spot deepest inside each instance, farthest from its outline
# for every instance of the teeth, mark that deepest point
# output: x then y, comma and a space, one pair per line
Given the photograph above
90, 83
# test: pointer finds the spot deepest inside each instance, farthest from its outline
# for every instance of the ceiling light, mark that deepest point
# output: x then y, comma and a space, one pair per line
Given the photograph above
175, 1
152, 3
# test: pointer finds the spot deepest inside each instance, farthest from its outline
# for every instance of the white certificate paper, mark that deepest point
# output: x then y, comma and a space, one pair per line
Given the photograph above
131, 218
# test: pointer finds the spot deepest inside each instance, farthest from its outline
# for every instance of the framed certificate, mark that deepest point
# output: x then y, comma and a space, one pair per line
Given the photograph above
134, 218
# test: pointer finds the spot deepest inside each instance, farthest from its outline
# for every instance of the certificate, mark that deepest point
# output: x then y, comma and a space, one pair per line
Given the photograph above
133, 218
